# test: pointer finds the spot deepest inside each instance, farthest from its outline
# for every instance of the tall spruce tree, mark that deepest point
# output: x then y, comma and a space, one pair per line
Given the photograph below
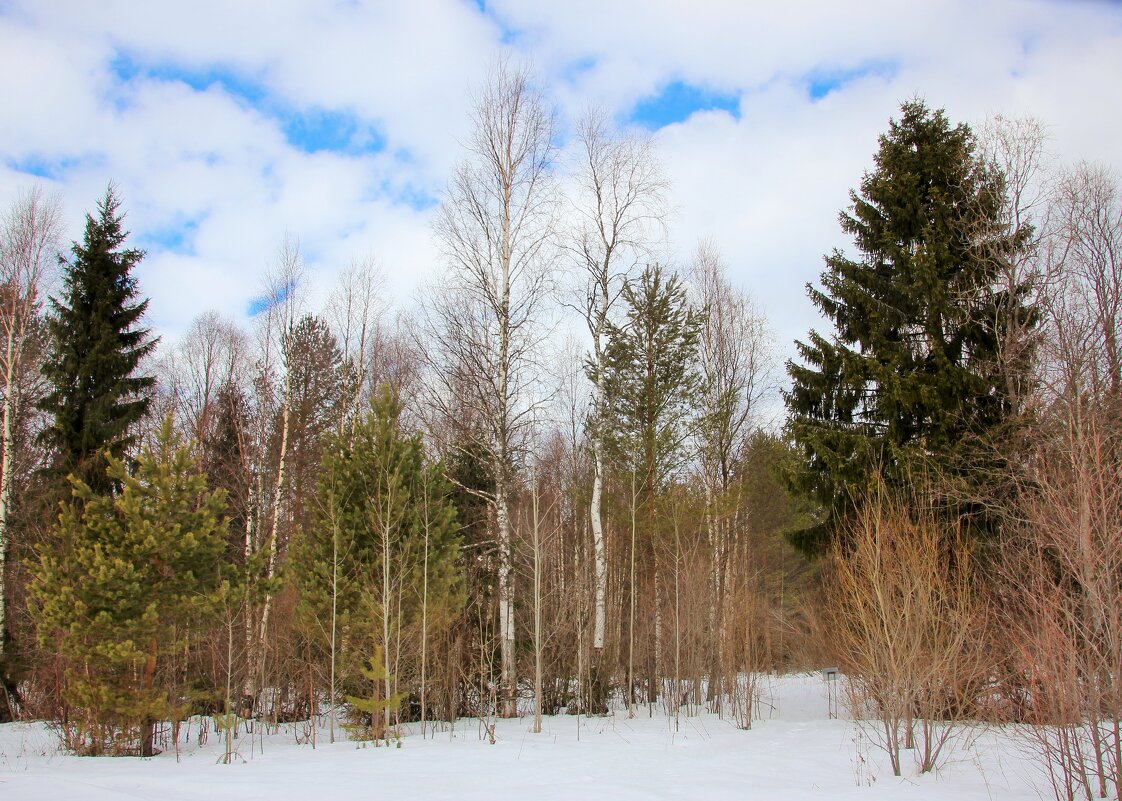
97, 345
908, 377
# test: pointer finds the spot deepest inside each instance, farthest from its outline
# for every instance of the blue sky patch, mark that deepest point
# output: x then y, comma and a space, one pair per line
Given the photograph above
233, 83
411, 195
33, 165
257, 305
575, 69
310, 130
177, 236
51, 169
316, 130
263, 303
826, 81
678, 101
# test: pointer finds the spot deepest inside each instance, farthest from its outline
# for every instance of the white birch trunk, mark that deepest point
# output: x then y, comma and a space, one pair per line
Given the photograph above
508, 676
425, 620
334, 619
251, 518
537, 612
600, 562
631, 611
271, 543
28, 240
6, 471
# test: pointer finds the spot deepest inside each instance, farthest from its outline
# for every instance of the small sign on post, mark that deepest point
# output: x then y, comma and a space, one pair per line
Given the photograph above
830, 676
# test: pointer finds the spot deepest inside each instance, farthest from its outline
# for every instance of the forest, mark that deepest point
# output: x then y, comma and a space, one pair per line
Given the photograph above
576, 478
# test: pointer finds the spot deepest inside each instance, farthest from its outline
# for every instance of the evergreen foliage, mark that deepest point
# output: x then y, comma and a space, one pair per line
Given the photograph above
128, 578
908, 377
472, 482
650, 377
226, 463
384, 535
96, 348
318, 379
370, 710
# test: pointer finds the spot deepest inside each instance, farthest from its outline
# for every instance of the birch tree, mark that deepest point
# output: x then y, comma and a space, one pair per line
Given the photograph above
620, 206
1015, 148
278, 321
29, 242
733, 346
496, 230
354, 311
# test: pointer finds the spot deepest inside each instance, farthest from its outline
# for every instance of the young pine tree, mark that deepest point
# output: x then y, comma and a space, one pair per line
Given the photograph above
129, 577
649, 379
96, 348
650, 376
376, 571
907, 379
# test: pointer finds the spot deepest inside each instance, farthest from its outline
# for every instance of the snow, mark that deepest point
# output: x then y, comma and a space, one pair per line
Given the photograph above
796, 752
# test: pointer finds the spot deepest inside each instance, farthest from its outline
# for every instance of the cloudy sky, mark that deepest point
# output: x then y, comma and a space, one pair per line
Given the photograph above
227, 123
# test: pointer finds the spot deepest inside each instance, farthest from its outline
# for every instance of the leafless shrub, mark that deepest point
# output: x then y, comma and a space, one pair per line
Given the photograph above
905, 622
1063, 582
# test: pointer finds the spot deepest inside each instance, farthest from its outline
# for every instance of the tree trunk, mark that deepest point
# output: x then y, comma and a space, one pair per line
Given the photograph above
148, 725
253, 512
271, 543
334, 621
537, 612
598, 550
508, 676
6, 485
386, 605
631, 613
425, 620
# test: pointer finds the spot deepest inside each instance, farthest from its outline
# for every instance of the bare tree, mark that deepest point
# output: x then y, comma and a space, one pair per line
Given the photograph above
354, 311
736, 365
29, 238
1016, 148
1063, 572
620, 207
281, 307
213, 353
1062, 578
496, 228
1087, 303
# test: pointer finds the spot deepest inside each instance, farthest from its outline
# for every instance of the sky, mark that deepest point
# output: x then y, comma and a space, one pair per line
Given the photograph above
228, 125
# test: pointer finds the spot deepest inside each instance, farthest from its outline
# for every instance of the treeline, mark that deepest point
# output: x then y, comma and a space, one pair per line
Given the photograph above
363, 517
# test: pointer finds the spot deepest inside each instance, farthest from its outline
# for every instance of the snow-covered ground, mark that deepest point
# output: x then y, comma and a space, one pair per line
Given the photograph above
797, 753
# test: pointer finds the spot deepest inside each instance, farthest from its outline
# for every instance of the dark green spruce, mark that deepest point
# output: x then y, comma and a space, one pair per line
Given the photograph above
97, 345
907, 381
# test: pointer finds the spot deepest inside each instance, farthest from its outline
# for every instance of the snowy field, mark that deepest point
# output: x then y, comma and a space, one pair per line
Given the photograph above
797, 752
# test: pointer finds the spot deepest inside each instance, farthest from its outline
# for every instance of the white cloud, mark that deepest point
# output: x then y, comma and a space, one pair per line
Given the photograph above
765, 187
